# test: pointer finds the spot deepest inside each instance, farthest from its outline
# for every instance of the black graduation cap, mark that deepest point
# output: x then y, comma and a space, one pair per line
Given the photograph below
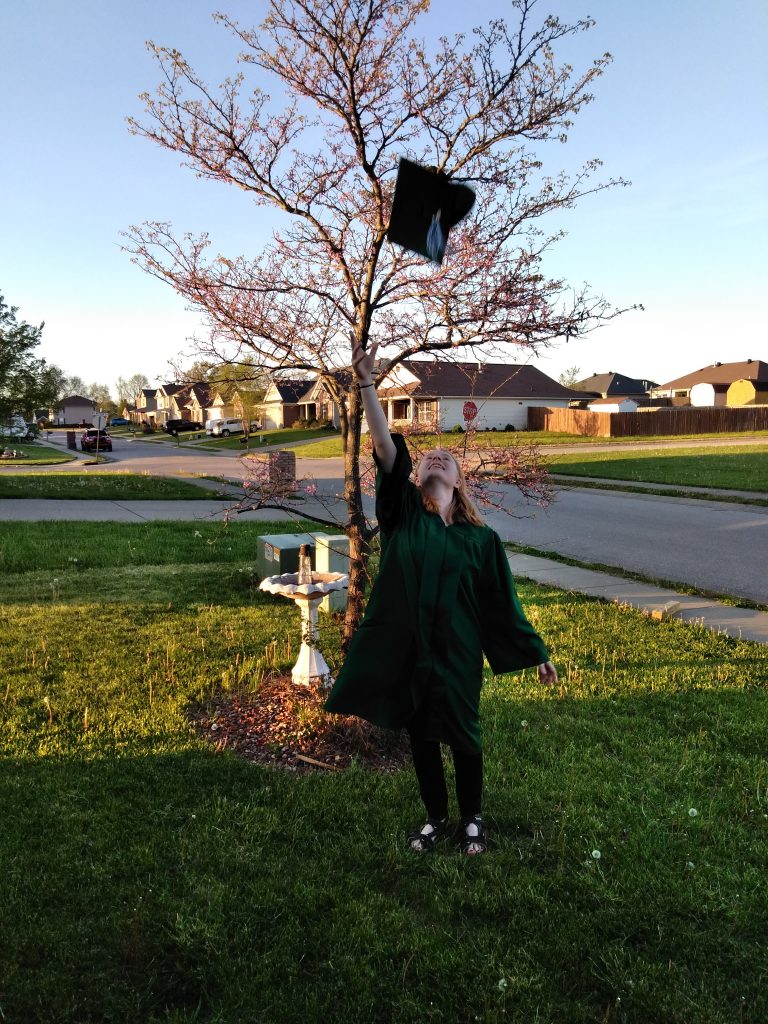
427, 204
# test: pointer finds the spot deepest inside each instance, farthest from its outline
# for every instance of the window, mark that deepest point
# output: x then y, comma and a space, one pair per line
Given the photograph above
426, 412
401, 409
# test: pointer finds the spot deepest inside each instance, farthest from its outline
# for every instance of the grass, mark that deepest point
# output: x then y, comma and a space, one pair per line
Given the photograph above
105, 486
34, 455
727, 467
148, 877
271, 438
332, 448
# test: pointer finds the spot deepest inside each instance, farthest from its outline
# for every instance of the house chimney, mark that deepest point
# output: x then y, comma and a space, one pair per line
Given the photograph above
749, 360
718, 364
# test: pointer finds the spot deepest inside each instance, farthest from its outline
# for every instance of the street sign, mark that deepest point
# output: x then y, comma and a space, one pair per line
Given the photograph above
470, 411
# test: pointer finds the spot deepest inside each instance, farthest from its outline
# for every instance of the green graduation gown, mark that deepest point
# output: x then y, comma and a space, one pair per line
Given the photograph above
444, 595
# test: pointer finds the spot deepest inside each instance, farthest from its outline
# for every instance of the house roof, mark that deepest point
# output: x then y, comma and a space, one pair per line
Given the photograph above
203, 392
722, 373
292, 390
610, 384
486, 380
77, 400
173, 389
616, 400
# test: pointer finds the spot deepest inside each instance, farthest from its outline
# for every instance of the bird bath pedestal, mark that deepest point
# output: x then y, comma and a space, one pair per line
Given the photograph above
311, 667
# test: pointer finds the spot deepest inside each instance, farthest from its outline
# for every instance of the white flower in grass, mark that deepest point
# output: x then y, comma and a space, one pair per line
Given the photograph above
596, 855
524, 724
689, 864
502, 985
692, 812
198, 534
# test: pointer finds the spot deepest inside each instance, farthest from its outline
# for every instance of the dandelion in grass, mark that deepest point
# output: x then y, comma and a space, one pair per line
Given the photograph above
596, 855
690, 865
692, 812
502, 985
524, 724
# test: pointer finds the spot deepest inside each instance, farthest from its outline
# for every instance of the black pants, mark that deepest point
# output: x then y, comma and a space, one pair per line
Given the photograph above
428, 763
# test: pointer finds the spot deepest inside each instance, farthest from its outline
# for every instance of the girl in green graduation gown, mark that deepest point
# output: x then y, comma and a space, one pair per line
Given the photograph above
444, 596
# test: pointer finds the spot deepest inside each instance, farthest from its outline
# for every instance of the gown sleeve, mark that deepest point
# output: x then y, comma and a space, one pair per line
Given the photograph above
509, 640
394, 490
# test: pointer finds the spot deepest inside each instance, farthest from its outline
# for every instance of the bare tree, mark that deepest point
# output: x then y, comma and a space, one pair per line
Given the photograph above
570, 376
360, 90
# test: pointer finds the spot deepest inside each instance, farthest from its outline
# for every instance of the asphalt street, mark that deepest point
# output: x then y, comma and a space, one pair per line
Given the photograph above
711, 545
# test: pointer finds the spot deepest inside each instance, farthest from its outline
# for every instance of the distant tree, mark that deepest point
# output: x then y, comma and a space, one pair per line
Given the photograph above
27, 382
244, 375
74, 385
361, 91
570, 376
99, 393
128, 388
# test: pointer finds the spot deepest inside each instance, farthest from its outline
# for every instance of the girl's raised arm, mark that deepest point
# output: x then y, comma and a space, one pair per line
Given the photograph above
362, 365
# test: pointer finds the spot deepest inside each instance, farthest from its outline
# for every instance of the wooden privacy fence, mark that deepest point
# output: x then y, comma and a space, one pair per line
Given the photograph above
653, 422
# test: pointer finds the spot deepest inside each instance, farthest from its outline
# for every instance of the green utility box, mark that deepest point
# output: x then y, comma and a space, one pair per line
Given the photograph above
279, 552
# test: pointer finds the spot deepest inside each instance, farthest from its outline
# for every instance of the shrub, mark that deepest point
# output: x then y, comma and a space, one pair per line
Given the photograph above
458, 429
509, 428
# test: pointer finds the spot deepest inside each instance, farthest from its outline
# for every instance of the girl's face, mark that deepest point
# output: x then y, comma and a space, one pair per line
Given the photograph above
438, 465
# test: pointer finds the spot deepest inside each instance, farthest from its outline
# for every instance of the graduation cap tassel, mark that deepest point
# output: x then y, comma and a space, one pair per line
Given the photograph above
436, 239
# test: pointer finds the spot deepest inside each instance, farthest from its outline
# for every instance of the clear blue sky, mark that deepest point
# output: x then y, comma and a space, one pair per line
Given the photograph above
681, 113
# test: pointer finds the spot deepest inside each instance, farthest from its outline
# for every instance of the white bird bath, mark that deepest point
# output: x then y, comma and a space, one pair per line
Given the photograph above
311, 667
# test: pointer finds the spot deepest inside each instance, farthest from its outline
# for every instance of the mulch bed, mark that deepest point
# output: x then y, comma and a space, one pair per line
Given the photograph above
284, 726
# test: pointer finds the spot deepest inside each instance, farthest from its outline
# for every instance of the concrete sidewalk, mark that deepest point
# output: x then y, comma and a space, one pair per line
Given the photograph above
742, 623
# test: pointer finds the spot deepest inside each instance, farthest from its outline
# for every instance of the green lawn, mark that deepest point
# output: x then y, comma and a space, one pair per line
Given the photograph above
332, 448
270, 438
108, 486
147, 877
34, 455
733, 468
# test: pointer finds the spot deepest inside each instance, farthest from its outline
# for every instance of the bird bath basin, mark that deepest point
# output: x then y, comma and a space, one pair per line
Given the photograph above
311, 667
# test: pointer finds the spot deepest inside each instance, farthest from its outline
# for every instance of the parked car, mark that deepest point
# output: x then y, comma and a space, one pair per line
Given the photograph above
119, 421
94, 440
223, 428
178, 426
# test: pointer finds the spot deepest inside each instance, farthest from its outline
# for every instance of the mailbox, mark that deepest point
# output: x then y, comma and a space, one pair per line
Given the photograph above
279, 552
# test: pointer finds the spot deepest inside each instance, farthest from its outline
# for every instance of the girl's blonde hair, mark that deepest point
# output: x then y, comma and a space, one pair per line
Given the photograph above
462, 508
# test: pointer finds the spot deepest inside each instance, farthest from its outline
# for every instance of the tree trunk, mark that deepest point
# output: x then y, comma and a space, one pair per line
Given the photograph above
357, 530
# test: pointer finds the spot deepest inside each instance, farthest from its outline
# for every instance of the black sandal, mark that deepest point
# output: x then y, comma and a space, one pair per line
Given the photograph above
425, 842
467, 841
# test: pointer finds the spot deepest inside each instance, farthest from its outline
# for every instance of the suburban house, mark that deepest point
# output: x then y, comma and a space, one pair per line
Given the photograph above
427, 392
288, 401
170, 400
145, 409
614, 385
75, 410
733, 384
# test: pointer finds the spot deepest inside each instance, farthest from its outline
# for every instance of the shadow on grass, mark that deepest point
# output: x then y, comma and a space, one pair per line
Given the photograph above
189, 885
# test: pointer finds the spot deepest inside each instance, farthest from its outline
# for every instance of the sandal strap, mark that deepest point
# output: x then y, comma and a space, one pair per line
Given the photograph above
480, 839
428, 840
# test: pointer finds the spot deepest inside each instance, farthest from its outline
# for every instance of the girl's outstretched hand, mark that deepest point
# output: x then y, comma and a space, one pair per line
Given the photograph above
363, 362
547, 673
